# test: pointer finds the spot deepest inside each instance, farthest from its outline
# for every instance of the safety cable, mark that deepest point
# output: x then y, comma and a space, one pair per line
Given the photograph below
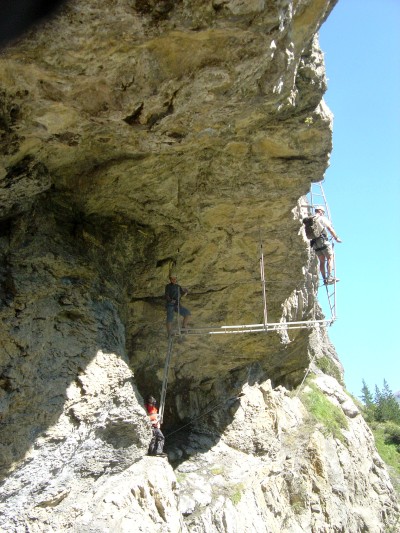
231, 329
306, 374
165, 377
205, 413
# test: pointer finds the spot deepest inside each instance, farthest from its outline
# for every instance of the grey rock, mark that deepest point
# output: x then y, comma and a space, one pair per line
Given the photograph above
169, 135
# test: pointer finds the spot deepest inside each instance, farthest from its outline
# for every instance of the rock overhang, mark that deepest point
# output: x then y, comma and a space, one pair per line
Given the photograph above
180, 141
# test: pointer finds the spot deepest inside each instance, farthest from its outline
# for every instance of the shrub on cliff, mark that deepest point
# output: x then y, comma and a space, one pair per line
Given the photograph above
392, 434
324, 411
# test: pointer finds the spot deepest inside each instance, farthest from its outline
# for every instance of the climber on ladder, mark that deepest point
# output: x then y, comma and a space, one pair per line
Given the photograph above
315, 227
173, 295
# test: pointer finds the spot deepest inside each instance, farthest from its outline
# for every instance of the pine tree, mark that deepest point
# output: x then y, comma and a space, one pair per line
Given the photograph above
386, 406
366, 396
368, 401
378, 404
383, 406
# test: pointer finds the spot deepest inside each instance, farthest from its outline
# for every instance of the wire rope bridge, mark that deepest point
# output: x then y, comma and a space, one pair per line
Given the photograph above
316, 196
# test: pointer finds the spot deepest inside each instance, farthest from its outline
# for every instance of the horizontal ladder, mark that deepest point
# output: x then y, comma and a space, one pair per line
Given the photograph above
254, 328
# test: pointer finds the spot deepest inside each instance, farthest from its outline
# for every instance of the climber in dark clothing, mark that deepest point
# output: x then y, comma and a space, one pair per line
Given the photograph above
173, 295
156, 445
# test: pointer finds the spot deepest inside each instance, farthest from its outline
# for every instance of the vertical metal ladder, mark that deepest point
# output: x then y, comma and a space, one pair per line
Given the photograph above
315, 197
165, 377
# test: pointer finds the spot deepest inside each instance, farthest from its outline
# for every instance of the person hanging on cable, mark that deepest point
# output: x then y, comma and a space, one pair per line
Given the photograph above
316, 227
173, 295
156, 445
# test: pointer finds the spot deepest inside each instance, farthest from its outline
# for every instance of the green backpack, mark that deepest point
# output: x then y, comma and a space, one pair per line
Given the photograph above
312, 229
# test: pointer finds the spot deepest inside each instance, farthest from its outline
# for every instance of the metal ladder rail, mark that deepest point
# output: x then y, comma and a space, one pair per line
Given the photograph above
322, 194
256, 328
331, 300
165, 377
317, 196
331, 294
262, 271
334, 313
331, 291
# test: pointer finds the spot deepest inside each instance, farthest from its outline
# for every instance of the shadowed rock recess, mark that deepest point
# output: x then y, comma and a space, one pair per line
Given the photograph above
138, 137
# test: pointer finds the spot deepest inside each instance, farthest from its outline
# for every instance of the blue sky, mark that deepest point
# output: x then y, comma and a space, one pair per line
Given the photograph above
361, 44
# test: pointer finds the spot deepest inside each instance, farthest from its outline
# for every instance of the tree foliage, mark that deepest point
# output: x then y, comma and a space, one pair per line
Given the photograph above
382, 407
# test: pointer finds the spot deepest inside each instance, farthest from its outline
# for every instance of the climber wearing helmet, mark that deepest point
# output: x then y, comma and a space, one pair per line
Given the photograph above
156, 445
322, 247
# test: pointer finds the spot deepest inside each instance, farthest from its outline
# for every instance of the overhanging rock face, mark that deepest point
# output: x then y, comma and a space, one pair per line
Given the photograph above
137, 138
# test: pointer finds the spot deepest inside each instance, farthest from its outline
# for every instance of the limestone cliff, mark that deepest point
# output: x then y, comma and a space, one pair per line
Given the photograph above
138, 137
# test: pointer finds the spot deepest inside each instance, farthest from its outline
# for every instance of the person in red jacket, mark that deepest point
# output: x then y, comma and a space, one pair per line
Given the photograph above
156, 445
